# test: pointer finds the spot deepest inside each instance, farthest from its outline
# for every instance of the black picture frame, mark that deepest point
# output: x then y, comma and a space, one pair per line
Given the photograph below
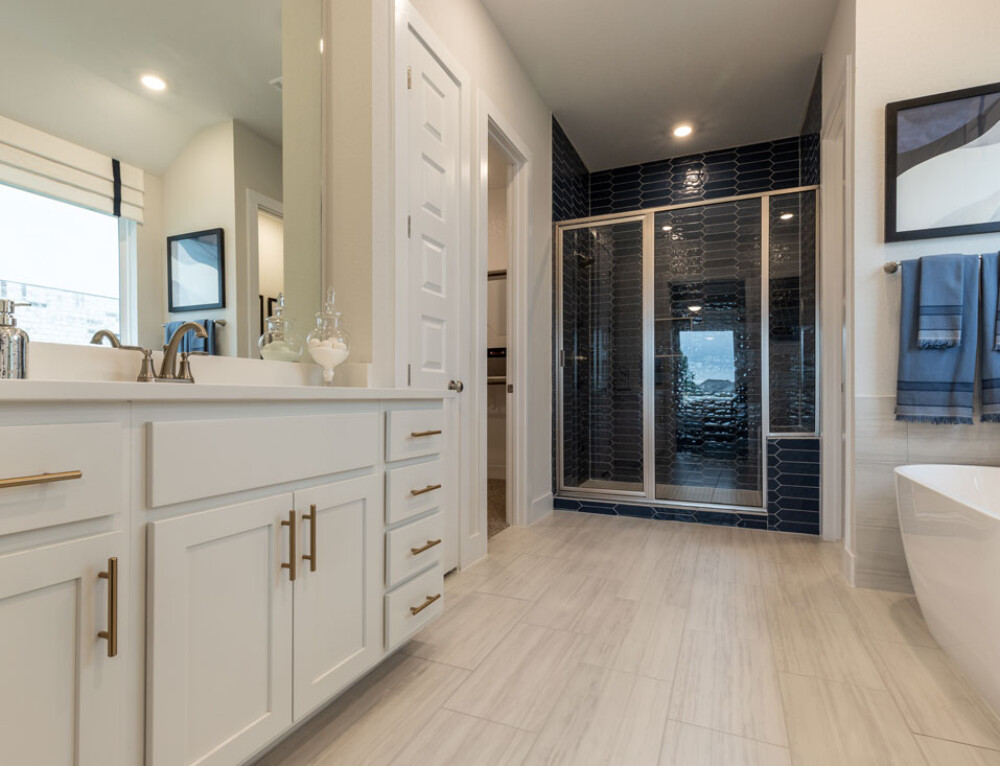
894, 159
213, 254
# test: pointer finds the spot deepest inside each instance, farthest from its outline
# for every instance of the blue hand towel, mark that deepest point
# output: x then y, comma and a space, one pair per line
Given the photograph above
937, 385
190, 342
990, 354
940, 301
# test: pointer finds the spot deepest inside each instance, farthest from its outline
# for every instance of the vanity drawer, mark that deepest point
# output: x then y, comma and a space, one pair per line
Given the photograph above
424, 595
89, 454
413, 433
403, 481
412, 548
194, 459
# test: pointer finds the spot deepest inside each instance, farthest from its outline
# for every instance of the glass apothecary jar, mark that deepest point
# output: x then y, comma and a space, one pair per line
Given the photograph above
329, 344
280, 342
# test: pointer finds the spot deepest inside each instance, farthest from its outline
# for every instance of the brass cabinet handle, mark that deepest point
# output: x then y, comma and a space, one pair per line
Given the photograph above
42, 478
430, 600
421, 549
421, 434
111, 634
290, 566
311, 556
425, 490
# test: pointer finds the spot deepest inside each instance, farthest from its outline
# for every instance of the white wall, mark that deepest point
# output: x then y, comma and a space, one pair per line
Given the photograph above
905, 49
151, 269
198, 195
470, 35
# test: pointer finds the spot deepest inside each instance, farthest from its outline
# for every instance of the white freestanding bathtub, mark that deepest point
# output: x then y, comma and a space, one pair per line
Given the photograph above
950, 519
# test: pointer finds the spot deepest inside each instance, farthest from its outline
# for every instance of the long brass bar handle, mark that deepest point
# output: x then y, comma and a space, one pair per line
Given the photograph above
430, 600
290, 566
421, 434
425, 490
42, 478
311, 556
422, 548
111, 634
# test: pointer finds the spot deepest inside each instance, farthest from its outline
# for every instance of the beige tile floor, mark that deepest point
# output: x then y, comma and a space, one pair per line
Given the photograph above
590, 639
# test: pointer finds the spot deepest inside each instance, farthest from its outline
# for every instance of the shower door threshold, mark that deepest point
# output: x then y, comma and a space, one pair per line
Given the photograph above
584, 495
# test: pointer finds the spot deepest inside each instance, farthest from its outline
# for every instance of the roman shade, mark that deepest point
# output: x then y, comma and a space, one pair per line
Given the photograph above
39, 162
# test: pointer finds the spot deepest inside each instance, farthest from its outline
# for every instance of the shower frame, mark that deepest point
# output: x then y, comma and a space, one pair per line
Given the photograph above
648, 494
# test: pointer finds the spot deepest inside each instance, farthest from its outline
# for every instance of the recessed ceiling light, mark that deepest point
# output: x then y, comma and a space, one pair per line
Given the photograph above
153, 82
668, 228
683, 130
787, 216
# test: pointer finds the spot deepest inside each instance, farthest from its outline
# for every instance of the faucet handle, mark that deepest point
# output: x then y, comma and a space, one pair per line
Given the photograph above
184, 372
147, 372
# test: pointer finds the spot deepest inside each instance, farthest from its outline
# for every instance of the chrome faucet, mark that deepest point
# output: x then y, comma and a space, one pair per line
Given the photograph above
168, 368
146, 371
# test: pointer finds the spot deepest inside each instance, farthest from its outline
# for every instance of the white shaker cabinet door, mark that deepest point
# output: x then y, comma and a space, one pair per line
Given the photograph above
61, 694
219, 656
338, 615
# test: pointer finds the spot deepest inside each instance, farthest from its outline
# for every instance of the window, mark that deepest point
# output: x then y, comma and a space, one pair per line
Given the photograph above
711, 362
64, 260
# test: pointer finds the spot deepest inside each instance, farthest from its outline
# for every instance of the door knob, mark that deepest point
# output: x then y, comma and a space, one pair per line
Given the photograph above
456, 386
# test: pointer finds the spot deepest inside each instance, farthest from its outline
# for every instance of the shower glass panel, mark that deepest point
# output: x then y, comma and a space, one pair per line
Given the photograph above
792, 313
602, 347
707, 328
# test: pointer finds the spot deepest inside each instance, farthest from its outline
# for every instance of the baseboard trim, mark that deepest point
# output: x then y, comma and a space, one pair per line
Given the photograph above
540, 507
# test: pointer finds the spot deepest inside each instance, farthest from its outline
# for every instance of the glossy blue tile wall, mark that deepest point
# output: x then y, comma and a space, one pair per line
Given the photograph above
770, 166
570, 178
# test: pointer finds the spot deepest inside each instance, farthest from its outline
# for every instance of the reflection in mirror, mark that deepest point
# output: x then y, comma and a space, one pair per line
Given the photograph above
125, 123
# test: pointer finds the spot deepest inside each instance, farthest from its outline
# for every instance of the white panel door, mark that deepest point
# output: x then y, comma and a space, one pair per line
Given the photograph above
219, 660
435, 146
61, 698
338, 615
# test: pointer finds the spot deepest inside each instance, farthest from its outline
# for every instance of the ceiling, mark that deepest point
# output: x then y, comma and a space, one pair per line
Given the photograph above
619, 75
78, 65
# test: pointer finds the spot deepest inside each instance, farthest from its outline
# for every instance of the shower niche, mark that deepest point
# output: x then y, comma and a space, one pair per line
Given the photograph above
687, 339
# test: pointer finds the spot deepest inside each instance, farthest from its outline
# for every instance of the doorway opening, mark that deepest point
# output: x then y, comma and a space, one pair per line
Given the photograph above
265, 275
500, 171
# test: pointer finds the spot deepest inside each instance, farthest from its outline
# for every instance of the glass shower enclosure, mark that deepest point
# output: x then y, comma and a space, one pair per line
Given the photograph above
688, 336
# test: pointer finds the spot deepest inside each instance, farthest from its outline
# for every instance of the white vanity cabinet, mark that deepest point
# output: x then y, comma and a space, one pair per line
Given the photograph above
61, 695
270, 551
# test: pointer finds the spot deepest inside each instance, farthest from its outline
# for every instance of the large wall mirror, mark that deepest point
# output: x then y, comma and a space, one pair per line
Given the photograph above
182, 117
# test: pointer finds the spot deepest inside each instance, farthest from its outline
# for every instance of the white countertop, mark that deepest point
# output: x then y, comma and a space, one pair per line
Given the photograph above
91, 391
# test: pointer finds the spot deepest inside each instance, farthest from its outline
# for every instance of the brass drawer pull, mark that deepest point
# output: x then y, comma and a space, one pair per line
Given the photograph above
425, 490
42, 478
430, 544
311, 556
290, 566
421, 434
111, 634
414, 610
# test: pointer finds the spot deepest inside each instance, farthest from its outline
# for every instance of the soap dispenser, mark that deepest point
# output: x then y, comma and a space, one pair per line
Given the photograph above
13, 343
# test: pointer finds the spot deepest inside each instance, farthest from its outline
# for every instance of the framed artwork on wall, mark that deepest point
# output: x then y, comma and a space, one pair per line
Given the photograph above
943, 165
196, 271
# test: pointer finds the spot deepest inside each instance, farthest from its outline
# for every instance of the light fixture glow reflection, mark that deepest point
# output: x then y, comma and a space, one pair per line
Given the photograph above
694, 309
683, 130
668, 228
153, 82
787, 216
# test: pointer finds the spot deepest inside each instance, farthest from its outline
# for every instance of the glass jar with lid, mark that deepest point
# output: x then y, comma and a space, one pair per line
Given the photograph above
280, 342
329, 344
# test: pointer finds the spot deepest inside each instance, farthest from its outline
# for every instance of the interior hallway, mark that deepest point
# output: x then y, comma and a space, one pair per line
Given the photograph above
588, 639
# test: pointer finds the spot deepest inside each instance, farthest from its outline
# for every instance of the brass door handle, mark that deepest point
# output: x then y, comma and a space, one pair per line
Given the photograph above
41, 478
111, 634
290, 566
425, 490
421, 434
311, 556
421, 549
430, 600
